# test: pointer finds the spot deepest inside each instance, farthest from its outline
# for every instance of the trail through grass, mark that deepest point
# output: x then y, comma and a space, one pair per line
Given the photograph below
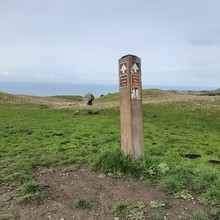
33, 135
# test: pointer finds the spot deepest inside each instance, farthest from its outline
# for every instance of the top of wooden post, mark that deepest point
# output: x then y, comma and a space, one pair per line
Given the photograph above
130, 56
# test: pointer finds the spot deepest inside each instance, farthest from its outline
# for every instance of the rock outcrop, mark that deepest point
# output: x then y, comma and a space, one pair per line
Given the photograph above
89, 98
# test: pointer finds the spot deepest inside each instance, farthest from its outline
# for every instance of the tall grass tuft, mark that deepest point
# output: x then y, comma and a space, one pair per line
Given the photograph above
31, 193
127, 210
199, 215
113, 162
83, 203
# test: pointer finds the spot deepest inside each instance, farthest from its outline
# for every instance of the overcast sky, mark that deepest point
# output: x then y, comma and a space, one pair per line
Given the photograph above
80, 41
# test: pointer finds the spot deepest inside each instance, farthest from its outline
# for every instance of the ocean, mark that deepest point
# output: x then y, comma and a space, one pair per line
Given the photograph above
53, 89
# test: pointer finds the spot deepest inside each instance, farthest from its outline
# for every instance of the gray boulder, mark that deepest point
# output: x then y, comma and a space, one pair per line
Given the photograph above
89, 98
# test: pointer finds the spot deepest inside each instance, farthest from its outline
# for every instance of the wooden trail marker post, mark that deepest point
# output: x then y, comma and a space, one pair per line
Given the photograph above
132, 140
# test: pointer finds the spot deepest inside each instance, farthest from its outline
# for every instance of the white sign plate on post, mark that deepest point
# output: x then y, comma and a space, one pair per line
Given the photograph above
123, 68
134, 68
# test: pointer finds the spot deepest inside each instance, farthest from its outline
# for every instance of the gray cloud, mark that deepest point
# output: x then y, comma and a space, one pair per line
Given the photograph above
207, 37
205, 42
81, 41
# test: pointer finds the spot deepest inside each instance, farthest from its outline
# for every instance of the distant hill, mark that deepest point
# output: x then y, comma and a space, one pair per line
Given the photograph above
212, 92
149, 96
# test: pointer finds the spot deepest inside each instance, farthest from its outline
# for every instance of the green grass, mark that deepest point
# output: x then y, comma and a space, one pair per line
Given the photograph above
128, 210
31, 193
215, 214
4, 216
199, 215
33, 135
154, 215
83, 203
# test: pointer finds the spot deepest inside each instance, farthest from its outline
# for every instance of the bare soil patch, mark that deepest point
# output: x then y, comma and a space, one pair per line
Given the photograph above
64, 184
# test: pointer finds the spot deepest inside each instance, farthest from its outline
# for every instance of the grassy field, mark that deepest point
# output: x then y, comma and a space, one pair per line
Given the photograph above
37, 131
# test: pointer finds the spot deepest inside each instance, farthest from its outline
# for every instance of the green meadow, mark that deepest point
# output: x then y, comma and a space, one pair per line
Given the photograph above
181, 137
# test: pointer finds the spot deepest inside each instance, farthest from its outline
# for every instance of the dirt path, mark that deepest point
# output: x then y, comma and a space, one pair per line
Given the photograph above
65, 184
